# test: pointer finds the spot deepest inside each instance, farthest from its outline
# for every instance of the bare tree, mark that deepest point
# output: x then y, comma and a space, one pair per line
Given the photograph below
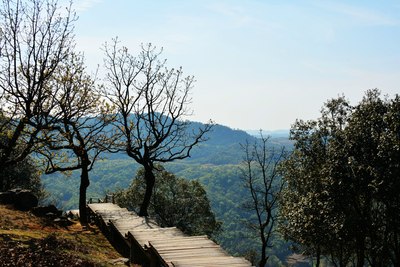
35, 37
259, 172
152, 103
80, 133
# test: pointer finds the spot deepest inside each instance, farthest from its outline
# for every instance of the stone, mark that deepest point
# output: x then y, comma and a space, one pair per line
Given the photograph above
7, 197
25, 200
119, 261
73, 214
47, 211
63, 221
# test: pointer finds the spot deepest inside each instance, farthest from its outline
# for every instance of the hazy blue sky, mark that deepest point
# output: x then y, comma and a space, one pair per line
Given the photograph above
258, 64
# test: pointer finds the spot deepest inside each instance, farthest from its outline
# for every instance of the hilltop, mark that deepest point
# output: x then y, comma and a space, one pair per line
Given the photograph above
27, 240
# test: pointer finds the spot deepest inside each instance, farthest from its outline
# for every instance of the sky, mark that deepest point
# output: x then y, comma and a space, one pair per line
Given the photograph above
258, 64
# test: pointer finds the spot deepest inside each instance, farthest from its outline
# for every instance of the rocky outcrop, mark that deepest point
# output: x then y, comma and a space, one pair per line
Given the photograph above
56, 215
7, 197
22, 199
47, 211
25, 200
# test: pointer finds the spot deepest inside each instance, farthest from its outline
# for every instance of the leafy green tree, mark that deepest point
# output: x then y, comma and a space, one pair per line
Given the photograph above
259, 171
340, 198
372, 149
152, 103
23, 174
307, 205
175, 202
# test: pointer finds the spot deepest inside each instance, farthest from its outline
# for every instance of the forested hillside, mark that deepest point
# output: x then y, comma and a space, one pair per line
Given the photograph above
214, 163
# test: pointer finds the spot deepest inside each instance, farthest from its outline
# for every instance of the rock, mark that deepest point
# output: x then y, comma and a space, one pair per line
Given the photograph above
119, 261
25, 200
21, 199
7, 197
62, 221
47, 211
51, 215
73, 214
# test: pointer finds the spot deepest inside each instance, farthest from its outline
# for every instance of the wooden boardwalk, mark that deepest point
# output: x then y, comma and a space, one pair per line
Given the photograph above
150, 245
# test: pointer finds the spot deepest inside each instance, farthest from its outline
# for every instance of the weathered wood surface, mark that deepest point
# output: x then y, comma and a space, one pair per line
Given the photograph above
103, 206
165, 246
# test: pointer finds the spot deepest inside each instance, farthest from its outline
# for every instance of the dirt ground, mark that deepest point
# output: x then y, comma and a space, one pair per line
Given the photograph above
27, 240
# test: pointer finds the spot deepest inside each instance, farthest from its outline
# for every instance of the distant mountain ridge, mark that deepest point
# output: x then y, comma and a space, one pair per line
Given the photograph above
223, 145
272, 133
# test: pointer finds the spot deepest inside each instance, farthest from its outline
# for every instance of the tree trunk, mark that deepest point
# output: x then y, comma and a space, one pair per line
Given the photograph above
83, 217
360, 252
3, 186
264, 258
396, 248
150, 181
318, 260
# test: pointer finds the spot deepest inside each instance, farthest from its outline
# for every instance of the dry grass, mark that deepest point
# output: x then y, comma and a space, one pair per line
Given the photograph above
27, 240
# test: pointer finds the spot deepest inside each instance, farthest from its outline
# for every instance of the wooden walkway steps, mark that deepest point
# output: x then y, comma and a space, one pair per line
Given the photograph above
150, 245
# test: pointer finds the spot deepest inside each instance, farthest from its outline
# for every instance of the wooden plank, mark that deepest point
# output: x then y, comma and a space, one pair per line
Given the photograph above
174, 246
132, 224
182, 244
184, 240
193, 253
166, 230
113, 214
188, 247
158, 233
103, 206
144, 236
212, 260
207, 264
158, 243
135, 221
228, 261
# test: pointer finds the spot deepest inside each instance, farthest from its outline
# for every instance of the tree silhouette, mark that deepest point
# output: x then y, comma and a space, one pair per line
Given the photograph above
259, 171
152, 104
35, 38
79, 133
